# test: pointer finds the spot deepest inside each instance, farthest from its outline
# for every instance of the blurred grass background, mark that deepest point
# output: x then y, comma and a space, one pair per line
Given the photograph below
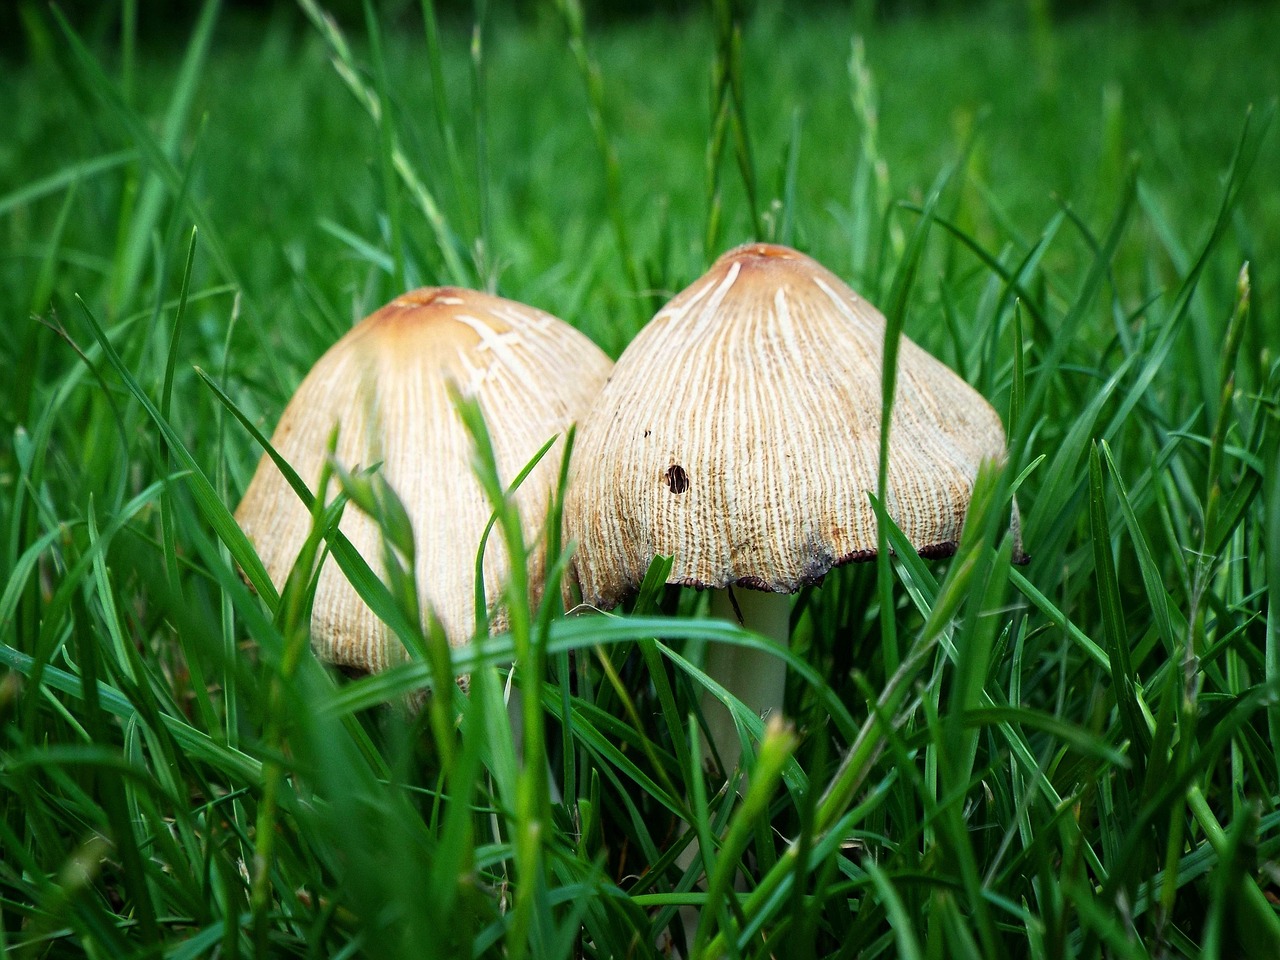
1056, 109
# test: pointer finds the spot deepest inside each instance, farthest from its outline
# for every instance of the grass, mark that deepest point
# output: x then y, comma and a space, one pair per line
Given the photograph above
1069, 759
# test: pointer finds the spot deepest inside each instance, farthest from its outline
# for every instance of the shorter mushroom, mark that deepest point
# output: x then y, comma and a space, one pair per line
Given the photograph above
386, 386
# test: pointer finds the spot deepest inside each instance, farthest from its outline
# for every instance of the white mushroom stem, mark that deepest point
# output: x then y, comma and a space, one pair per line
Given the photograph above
756, 677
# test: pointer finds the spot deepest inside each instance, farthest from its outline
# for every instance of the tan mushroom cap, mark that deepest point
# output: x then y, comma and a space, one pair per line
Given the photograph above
740, 434
385, 384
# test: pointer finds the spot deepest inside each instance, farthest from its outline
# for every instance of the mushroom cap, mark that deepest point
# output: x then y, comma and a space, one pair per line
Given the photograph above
385, 384
740, 434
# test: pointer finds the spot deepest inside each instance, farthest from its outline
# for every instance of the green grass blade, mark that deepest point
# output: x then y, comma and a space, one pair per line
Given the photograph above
384, 119
895, 317
215, 511
1114, 630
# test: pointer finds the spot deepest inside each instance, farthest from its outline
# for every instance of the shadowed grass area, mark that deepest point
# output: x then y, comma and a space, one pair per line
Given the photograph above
1071, 758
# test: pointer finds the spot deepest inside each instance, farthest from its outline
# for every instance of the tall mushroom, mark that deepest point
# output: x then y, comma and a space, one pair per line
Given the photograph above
385, 384
740, 434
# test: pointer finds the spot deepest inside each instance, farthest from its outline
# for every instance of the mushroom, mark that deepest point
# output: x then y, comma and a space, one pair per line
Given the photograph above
385, 384
740, 434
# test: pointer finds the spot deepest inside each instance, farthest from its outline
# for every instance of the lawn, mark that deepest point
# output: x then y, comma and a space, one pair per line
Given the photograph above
1071, 758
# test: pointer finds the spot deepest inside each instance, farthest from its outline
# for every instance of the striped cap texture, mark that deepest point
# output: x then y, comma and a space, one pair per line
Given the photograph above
740, 434
385, 384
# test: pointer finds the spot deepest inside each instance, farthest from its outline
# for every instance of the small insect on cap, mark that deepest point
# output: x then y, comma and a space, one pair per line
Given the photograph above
740, 434
385, 385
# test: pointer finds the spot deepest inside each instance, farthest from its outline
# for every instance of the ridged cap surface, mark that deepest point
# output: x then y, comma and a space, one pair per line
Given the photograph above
385, 383
740, 434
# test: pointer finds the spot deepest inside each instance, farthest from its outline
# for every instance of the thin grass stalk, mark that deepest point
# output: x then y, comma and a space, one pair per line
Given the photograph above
128, 48
348, 69
385, 123
71, 176
293, 618
150, 149
166, 398
41, 295
228, 530
852, 772
895, 319
728, 106
20, 601
230, 680
869, 188
593, 81
1068, 328
776, 748
480, 131
444, 121
110, 788
145, 203
715, 150
720, 108
558, 556
784, 225
629, 708
741, 132
1117, 639
1227, 379
531, 813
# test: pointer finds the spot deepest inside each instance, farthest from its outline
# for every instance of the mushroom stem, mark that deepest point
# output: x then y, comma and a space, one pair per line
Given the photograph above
755, 677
